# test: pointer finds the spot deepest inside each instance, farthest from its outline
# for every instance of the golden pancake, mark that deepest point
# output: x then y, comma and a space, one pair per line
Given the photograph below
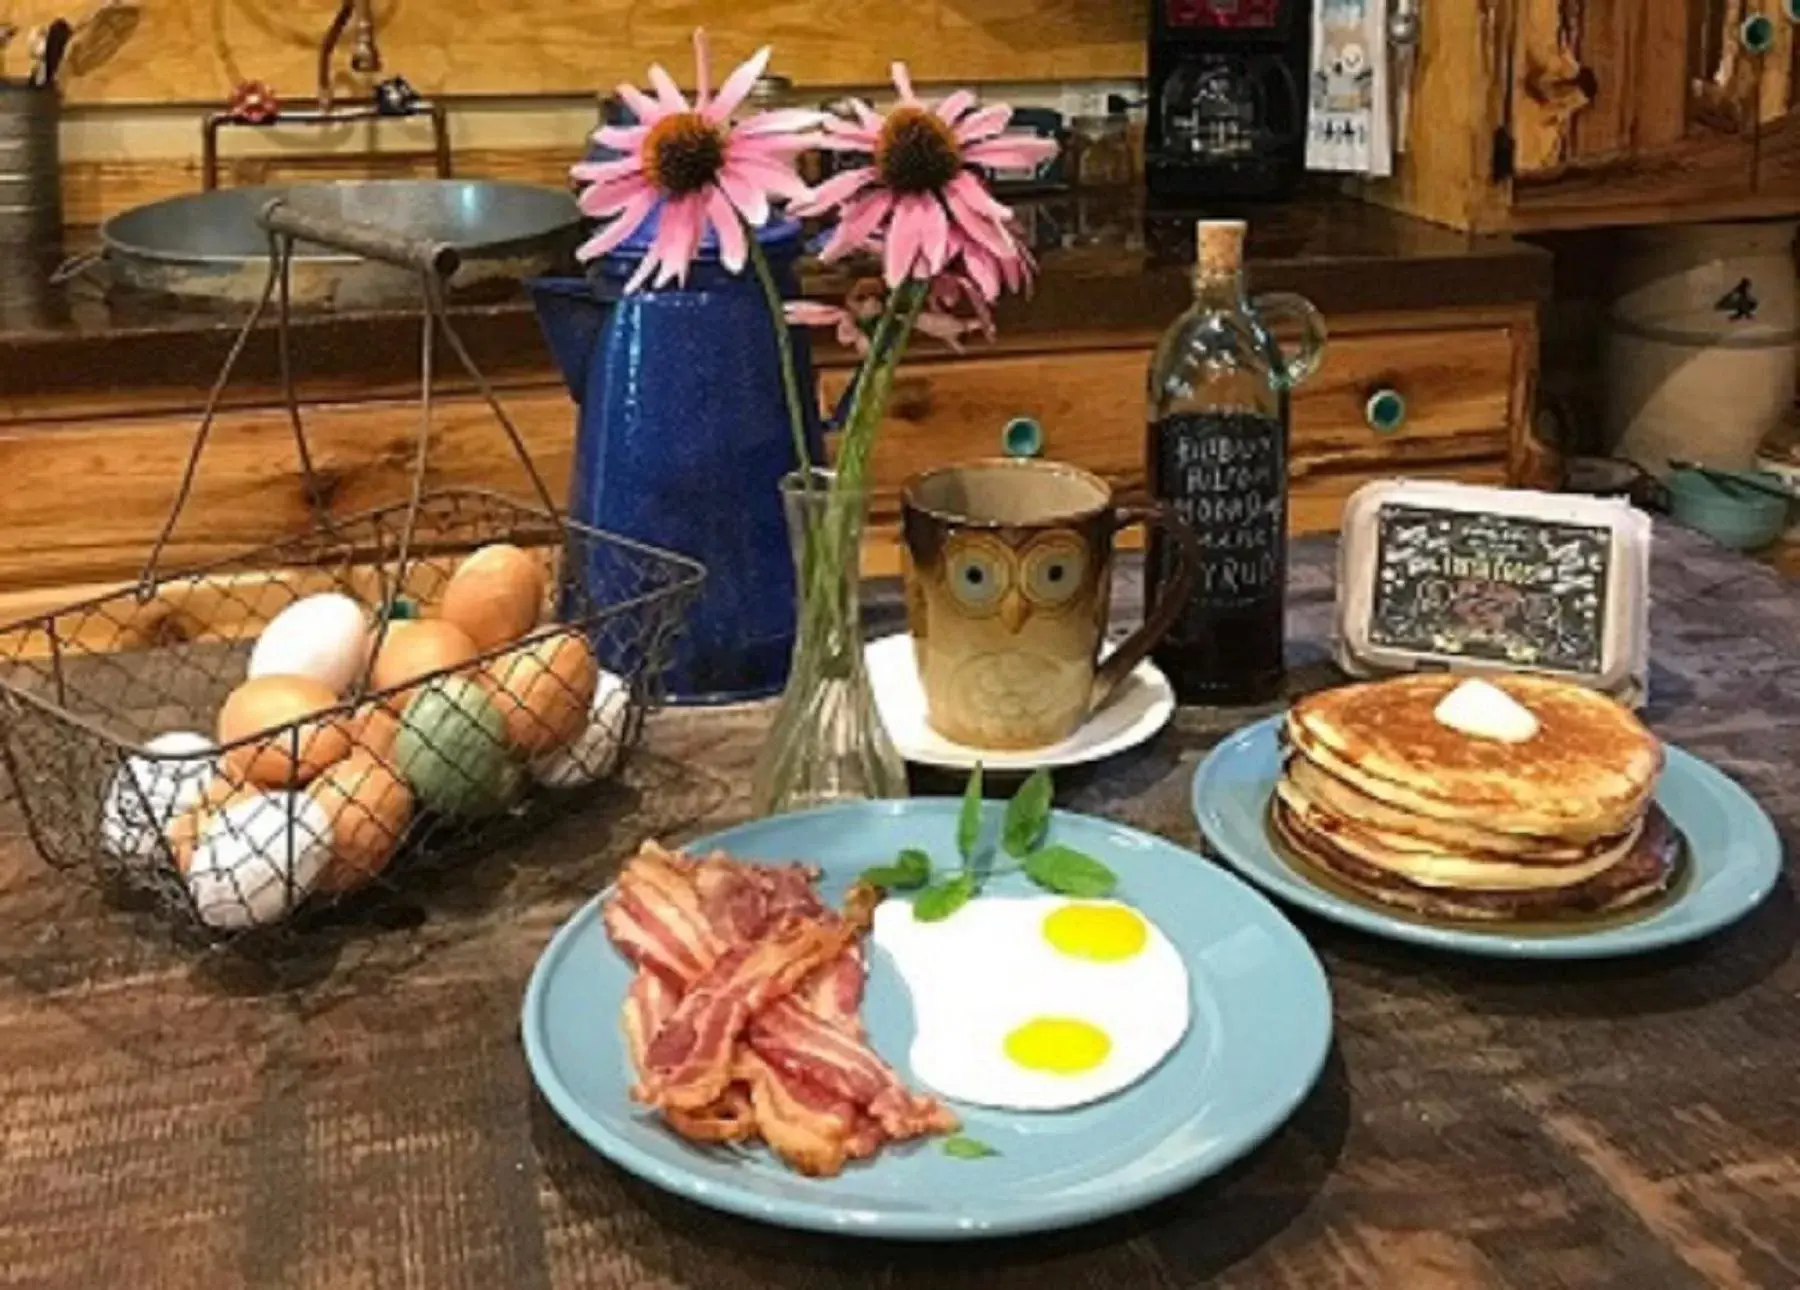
1336, 798
1429, 864
1586, 774
1649, 868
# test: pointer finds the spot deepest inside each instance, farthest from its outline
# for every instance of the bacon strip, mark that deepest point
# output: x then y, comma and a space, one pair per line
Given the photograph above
812, 1130
655, 918
688, 1063
743, 1019
834, 992
799, 1043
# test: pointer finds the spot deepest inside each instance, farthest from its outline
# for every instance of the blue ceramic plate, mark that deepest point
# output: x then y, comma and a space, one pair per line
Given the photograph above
1261, 1029
1732, 848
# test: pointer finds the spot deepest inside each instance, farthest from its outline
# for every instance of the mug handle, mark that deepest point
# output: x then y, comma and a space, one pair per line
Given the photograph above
1111, 674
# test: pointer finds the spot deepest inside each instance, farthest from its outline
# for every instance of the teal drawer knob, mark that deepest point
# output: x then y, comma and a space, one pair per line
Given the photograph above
1758, 33
1022, 437
1385, 411
1792, 9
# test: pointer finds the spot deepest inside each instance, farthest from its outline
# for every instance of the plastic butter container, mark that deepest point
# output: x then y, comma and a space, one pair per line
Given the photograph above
1453, 577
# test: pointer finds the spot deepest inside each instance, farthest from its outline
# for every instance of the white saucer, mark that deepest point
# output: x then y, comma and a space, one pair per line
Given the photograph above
1142, 707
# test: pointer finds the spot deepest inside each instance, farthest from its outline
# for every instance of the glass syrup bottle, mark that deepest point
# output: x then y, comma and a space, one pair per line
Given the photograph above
1218, 457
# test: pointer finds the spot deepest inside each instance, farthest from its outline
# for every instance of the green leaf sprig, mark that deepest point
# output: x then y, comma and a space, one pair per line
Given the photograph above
966, 1148
1023, 831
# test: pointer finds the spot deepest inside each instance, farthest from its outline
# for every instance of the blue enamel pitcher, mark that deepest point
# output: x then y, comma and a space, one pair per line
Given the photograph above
682, 438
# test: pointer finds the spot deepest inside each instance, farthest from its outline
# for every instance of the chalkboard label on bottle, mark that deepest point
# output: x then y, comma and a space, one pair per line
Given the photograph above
1501, 588
1226, 475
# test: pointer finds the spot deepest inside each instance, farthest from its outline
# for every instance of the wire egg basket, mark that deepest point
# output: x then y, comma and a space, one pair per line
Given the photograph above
115, 712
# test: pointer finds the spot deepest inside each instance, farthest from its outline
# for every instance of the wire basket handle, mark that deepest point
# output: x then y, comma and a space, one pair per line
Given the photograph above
370, 241
435, 263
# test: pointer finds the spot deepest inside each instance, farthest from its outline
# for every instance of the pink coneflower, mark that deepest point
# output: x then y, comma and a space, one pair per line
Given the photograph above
696, 168
952, 311
919, 192
853, 322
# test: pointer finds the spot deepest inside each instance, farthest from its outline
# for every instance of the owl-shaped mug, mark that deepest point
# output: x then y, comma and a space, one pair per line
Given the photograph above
1008, 587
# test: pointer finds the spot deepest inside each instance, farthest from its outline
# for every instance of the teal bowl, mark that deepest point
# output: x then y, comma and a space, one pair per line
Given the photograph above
1741, 518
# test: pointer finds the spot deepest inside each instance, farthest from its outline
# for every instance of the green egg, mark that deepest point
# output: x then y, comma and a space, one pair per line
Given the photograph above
452, 749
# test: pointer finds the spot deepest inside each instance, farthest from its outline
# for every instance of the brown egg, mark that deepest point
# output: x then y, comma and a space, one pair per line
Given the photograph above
544, 691
416, 648
373, 729
286, 757
369, 807
496, 595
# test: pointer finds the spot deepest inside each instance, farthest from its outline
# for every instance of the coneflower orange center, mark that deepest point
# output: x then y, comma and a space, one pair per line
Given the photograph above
916, 152
683, 153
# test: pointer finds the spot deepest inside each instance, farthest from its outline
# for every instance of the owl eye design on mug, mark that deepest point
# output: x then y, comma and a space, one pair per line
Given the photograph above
979, 571
1055, 570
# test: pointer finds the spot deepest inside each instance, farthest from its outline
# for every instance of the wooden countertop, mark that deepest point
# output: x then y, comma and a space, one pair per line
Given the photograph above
1110, 274
1479, 1125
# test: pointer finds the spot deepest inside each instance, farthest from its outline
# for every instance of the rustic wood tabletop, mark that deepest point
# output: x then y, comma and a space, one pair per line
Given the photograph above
172, 1124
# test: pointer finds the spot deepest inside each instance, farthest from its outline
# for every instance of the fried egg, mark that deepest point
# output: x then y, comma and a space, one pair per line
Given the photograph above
1036, 1003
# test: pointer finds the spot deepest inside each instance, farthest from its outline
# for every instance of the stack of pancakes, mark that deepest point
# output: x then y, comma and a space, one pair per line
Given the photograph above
1409, 811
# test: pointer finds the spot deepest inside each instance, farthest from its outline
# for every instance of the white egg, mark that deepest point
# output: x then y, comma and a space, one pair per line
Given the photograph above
325, 637
592, 753
1036, 1003
258, 859
147, 792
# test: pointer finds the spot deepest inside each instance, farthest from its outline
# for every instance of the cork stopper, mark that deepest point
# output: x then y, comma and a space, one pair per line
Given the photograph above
1221, 245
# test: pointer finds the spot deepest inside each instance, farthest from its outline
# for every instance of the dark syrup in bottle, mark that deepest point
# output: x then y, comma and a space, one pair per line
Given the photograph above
1217, 456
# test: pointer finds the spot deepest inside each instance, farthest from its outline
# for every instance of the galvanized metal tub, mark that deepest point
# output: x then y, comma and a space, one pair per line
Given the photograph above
208, 247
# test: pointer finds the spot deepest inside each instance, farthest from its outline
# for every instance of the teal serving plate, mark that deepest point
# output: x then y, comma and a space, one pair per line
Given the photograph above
1260, 1033
1734, 859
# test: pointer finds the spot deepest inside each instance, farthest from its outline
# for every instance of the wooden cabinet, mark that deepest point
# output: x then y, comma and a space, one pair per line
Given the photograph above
1539, 114
1440, 396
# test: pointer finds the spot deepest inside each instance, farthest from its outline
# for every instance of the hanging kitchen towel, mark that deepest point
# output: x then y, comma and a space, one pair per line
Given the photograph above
1348, 128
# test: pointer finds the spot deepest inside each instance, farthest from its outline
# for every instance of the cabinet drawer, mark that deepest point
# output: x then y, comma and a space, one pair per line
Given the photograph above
1090, 405
1452, 389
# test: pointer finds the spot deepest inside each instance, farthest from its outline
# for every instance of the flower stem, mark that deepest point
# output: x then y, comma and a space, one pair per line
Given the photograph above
784, 346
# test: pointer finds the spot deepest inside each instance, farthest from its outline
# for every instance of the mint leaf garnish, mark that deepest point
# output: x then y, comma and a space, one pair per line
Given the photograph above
968, 824
911, 870
1027, 815
1069, 872
967, 1148
937, 903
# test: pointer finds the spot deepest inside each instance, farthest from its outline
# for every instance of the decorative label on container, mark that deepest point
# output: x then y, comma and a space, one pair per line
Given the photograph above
1471, 579
1499, 587
1223, 473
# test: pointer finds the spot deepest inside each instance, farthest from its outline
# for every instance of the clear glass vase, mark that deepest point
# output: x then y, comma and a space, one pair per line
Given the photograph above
827, 744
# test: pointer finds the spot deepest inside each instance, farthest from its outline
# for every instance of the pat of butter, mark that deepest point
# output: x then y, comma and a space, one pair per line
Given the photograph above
1486, 712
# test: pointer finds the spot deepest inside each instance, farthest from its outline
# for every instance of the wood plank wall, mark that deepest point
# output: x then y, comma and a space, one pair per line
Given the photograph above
188, 51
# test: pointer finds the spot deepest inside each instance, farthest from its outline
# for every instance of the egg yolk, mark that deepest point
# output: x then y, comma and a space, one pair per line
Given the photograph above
1103, 933
1058, 1045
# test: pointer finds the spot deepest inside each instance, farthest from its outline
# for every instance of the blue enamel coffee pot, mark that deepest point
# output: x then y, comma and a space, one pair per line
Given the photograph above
682, 437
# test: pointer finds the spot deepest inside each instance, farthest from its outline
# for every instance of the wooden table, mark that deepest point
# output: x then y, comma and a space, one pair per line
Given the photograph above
1633, 1124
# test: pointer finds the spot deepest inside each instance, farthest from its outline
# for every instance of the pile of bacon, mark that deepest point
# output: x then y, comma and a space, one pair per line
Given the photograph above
742, 1021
